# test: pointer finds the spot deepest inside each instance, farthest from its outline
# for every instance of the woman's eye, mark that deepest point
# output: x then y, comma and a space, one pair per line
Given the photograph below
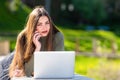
47, 23
38, 24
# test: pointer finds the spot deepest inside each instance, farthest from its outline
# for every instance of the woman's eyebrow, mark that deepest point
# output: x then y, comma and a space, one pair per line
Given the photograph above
47, 21
39, 22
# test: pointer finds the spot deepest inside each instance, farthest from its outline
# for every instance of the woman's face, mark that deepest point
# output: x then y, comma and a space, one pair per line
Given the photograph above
43, 26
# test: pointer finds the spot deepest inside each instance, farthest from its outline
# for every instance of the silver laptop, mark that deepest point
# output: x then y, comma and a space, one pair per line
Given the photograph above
54, 64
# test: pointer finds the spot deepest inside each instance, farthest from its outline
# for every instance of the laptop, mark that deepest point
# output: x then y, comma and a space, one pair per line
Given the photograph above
54, 64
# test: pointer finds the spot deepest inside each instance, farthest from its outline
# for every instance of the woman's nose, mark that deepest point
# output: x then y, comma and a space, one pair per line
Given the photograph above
44, 26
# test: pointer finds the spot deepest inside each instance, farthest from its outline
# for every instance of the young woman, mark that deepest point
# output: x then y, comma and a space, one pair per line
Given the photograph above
39, 34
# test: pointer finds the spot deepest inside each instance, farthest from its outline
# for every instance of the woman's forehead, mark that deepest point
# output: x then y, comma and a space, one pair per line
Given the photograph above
43, 18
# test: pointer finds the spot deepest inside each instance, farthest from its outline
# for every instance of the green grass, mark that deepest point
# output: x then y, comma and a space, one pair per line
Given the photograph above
98, 68
83, 64
85, 39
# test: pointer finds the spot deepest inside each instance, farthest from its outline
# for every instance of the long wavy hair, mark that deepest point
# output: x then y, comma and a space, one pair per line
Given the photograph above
24, 45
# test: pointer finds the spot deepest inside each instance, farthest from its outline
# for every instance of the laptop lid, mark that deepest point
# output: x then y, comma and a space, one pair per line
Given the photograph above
54, 64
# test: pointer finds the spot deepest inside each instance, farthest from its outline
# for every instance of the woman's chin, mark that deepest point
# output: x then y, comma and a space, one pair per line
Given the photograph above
44, 35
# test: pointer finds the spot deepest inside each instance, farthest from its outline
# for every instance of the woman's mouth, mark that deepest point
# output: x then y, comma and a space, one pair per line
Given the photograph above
44, 31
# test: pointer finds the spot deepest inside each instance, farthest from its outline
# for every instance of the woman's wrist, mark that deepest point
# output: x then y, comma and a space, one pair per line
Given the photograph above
37, 49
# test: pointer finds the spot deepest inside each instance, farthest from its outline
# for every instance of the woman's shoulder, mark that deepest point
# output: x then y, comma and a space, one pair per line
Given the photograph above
59, 35
58, 42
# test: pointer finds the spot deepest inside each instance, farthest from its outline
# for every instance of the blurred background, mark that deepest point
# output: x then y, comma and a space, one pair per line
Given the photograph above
90, 27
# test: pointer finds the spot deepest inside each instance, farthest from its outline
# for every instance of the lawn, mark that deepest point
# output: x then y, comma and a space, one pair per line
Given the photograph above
94, 67
98, 68
84, 40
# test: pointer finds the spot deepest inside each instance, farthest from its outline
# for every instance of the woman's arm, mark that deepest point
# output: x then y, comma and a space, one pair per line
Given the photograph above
4, 65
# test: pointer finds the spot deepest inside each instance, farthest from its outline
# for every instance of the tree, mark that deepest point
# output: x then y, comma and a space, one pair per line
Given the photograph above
93, 11
13, 15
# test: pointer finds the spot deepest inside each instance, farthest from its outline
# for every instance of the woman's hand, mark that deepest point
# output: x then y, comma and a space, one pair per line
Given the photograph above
18, 73
36, 41
32, 73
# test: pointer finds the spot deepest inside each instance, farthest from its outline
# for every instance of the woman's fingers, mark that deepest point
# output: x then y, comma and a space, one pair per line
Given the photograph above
36, 36
36, 41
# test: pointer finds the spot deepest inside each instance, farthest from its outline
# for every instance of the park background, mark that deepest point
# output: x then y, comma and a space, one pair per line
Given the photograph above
90, 27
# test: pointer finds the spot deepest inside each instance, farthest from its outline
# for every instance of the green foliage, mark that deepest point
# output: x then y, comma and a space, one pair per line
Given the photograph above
12, 15
12, 45
91, 10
